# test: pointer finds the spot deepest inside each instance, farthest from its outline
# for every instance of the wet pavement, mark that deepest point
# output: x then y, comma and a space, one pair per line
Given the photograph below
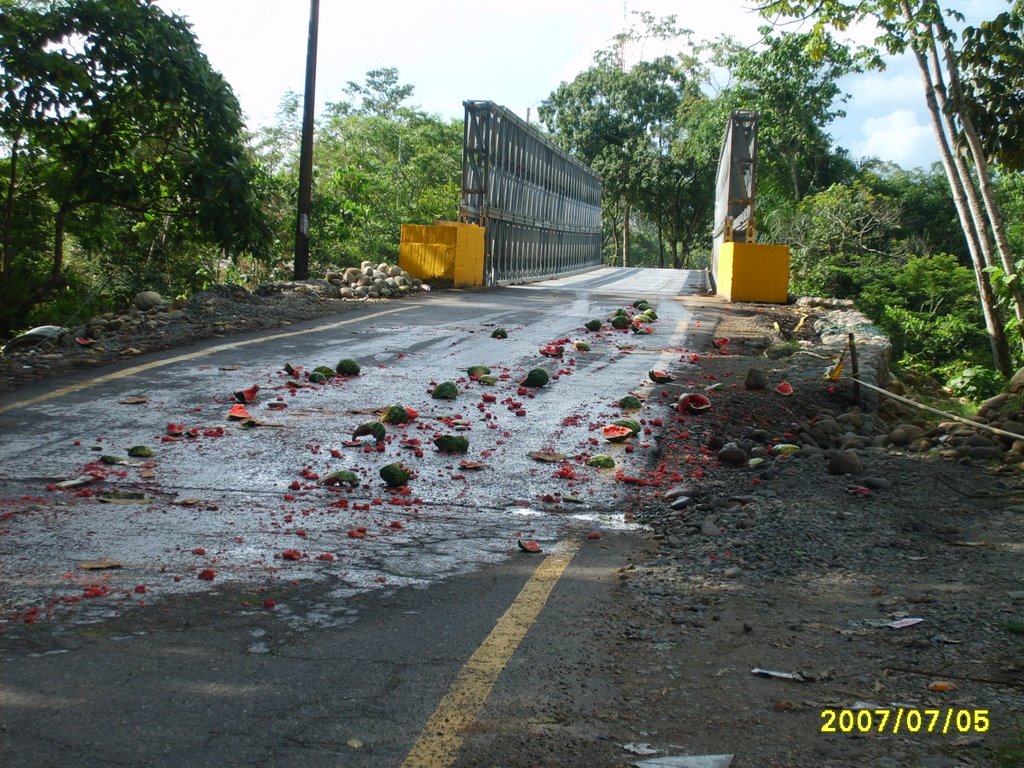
224, 503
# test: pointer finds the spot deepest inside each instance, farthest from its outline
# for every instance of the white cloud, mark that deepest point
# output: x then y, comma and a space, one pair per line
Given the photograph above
899, 137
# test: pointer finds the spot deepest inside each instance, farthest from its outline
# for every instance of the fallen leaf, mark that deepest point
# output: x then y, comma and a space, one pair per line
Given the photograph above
134, 400
942, 686
124, 497
529, 546
103, 564
548, 456
76, 482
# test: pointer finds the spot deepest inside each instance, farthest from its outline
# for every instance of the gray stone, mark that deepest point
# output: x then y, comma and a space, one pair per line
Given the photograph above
980, 441
755, 379
898, 437
1016, 383
710, 527
733, 455
733, 572
983, 453
829, 426
877, 483
1013, 426
147, 300
846, 463
678, 490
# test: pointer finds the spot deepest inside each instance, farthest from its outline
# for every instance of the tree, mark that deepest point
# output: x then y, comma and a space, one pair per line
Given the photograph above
378, 162
992, 63
795, 88
921, 28
117, 109
621, 123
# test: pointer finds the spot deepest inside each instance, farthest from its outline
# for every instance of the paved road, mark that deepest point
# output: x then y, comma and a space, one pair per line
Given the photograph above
390, 593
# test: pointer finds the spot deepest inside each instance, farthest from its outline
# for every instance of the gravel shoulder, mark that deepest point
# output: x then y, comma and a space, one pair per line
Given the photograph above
895, 585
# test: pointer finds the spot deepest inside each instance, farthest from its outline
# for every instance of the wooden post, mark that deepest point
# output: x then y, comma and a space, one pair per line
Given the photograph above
854, 367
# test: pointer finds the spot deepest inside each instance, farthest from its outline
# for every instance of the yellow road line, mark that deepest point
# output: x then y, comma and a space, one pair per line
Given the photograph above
188, 356
441, 739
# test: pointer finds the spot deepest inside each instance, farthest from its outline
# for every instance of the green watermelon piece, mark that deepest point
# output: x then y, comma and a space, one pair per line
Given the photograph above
451, 444
348, 367
446, 390
537, 377
395, 475
374, 428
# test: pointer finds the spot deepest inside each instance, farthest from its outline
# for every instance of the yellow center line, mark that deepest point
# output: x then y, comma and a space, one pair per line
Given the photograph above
71, 388
441, 739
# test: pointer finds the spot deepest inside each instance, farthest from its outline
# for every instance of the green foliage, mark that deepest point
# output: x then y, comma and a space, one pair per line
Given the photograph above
992, 64
378, 163
974, 382
114, 125
623, 123
793, 81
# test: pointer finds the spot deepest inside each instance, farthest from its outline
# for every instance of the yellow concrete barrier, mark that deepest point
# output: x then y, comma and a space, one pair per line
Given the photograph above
753, 272
448, 250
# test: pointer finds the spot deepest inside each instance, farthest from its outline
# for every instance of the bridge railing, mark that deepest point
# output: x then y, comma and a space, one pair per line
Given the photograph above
541, 208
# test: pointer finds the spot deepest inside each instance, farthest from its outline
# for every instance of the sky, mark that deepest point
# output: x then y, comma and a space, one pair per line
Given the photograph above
456, 50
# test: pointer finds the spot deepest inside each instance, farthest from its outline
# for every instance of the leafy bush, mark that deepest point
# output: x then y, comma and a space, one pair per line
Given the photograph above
974, 382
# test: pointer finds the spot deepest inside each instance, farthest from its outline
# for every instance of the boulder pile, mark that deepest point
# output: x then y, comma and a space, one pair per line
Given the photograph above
375, 281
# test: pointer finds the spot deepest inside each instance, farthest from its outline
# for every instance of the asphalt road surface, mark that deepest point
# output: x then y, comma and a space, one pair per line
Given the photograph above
257, 616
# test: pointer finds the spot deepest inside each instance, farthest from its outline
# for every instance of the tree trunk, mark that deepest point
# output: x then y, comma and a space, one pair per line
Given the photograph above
661, 240
958, 187
615, 237
675, 254
992, 212
57, 265
625, 237
12, 183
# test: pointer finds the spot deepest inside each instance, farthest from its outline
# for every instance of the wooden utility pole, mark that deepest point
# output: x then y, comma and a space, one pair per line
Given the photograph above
301, 268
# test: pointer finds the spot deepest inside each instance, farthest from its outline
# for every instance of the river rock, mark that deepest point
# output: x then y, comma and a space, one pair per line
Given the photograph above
845, 463
756, 379
147, 300
986, 453
732, 455
710, 527
678, 490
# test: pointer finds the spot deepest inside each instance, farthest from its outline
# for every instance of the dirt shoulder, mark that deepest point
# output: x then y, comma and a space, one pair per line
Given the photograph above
893, 587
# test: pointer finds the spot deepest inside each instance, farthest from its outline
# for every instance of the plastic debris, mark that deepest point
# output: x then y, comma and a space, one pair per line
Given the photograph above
35, 337
796, 677
902, 623
641, 748
687, 761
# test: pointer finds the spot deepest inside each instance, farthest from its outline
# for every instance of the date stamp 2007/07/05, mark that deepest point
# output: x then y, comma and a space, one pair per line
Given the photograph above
905, 720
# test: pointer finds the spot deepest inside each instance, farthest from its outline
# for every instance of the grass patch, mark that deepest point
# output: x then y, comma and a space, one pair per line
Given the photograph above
1010, 753
1014, 627
785, 349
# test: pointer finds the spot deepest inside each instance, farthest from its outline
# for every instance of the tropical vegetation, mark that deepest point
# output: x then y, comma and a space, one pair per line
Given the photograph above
125, 164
